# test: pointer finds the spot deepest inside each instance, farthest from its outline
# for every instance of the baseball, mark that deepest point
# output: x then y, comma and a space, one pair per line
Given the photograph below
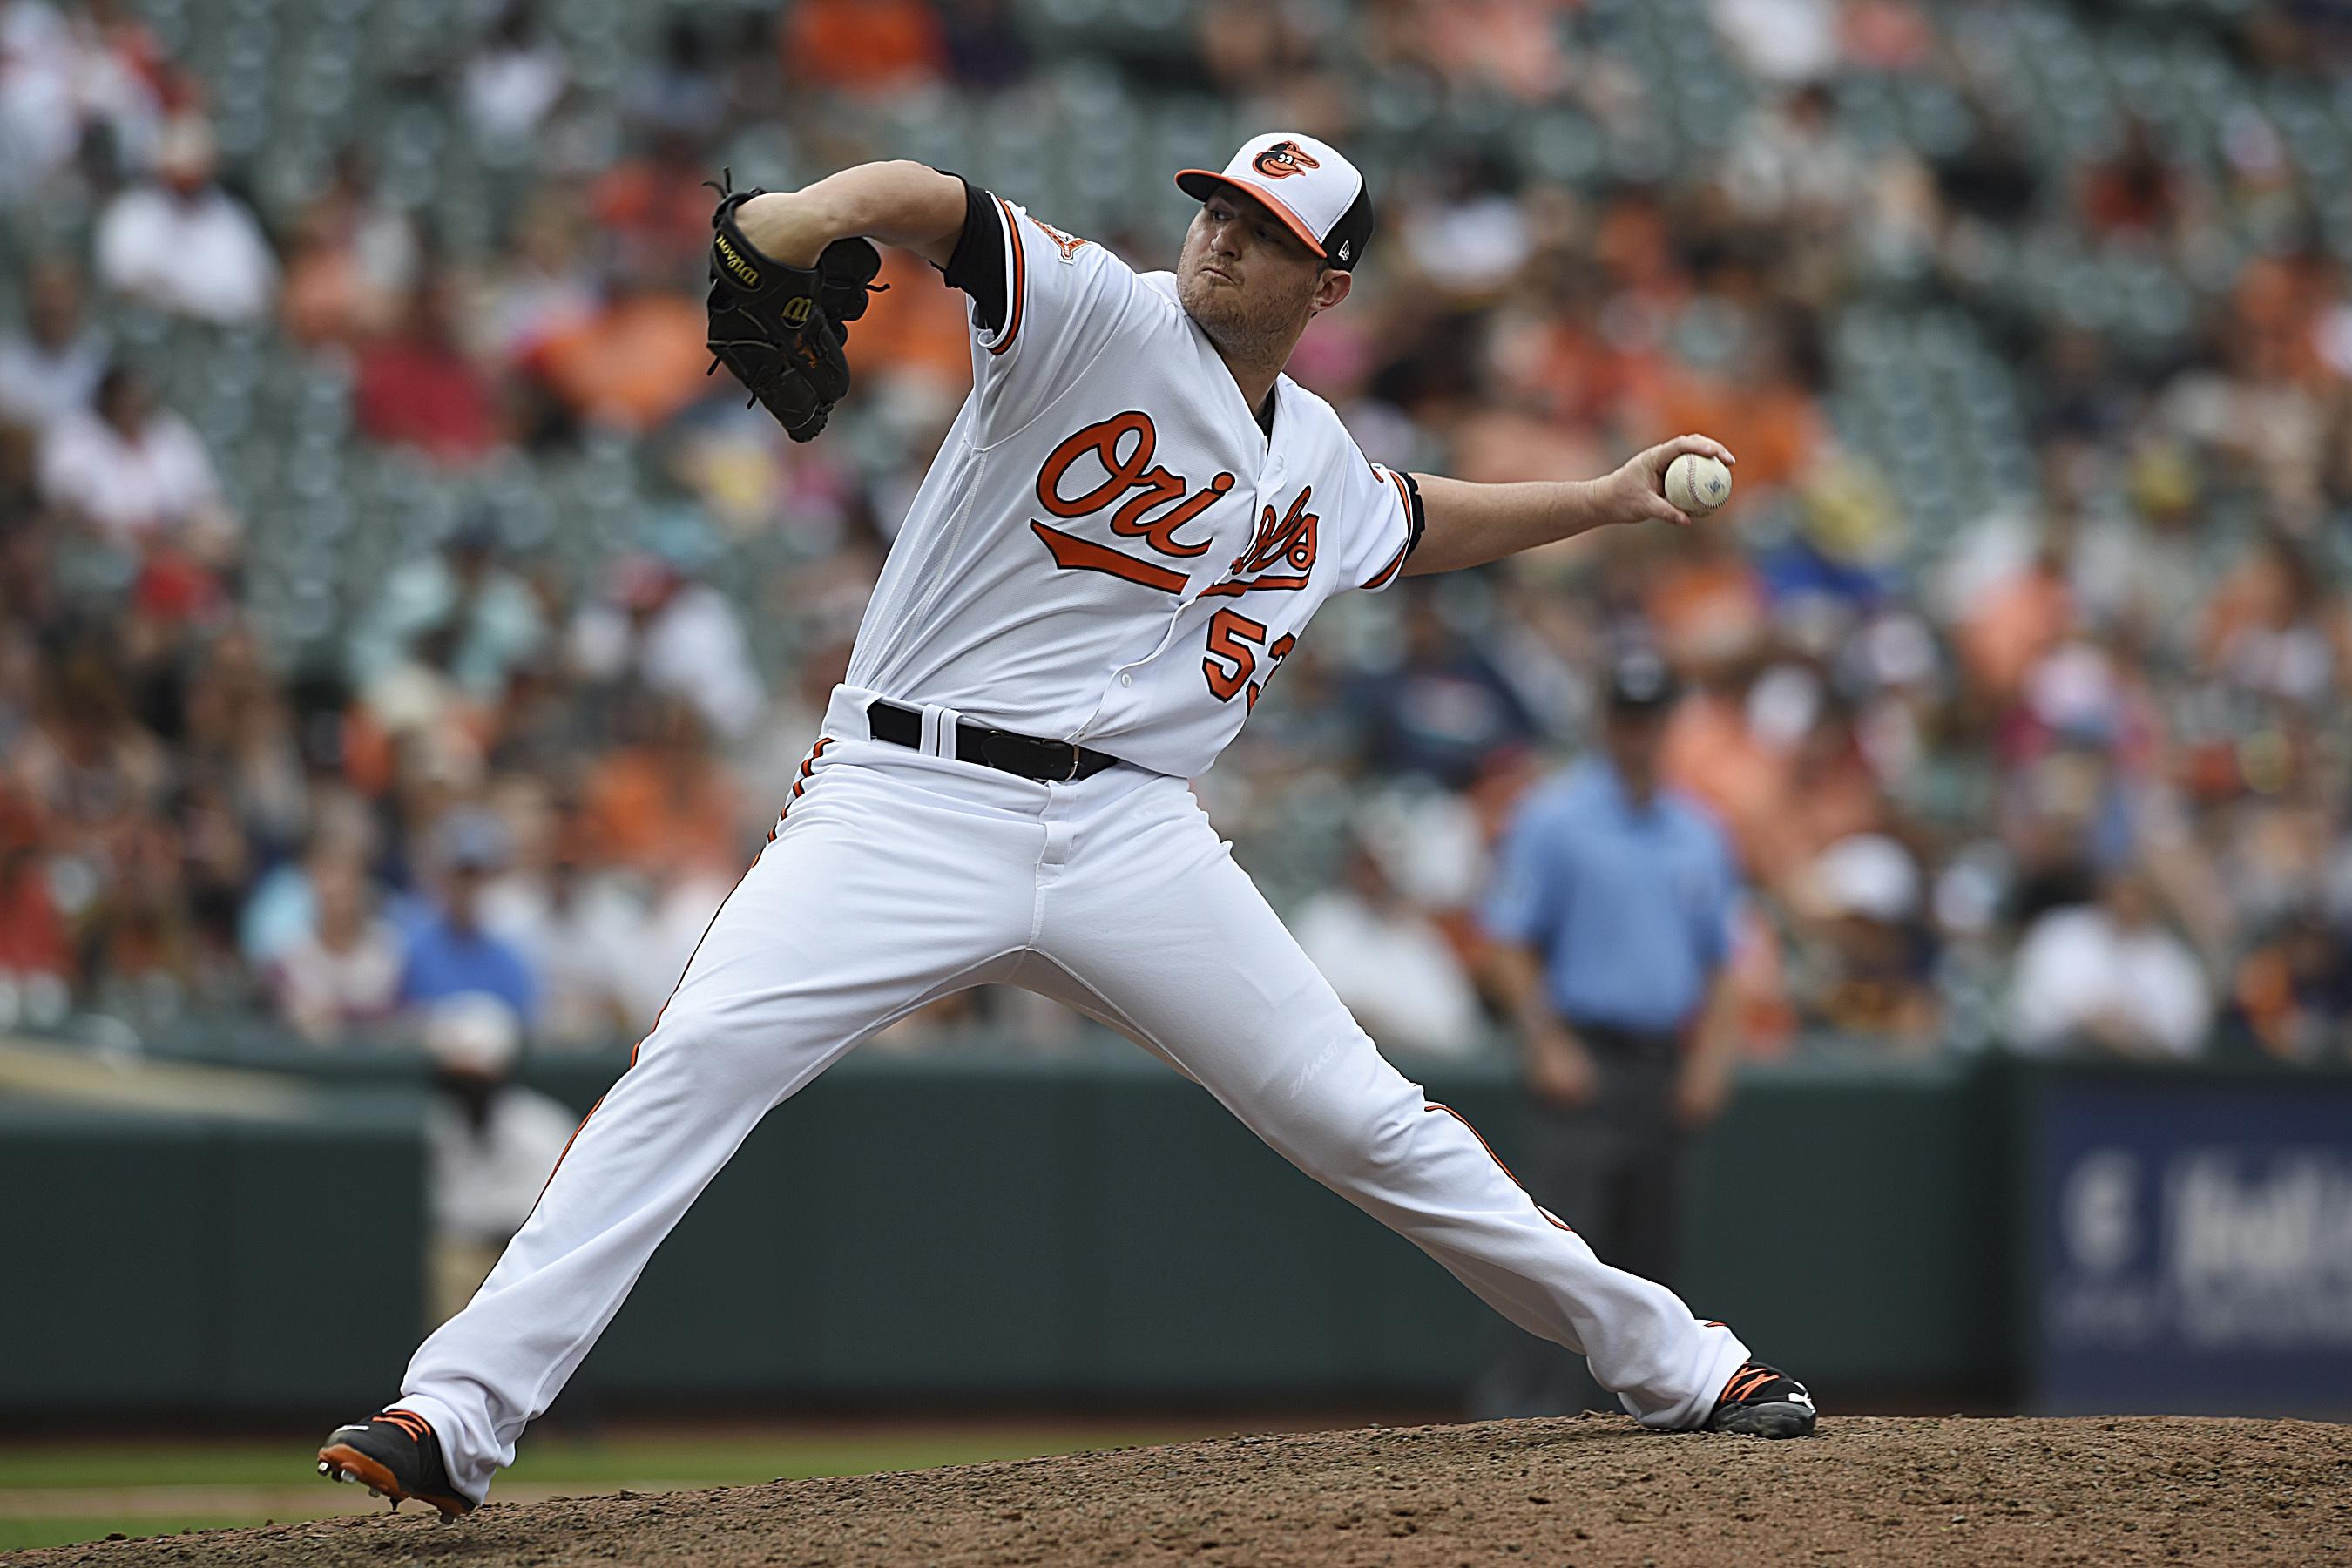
1698, 485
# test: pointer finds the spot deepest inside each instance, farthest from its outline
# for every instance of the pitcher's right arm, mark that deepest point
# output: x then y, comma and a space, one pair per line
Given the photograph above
899, 203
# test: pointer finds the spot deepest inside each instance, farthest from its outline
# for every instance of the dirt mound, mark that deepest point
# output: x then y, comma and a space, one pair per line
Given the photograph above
1588, 1490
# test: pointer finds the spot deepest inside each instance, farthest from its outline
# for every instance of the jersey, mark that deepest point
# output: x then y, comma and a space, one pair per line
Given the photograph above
1109, 548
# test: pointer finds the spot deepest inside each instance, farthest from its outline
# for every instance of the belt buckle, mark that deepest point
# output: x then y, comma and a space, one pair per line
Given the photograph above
1077, 759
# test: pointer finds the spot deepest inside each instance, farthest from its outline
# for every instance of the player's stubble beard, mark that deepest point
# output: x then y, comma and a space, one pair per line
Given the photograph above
1254, 322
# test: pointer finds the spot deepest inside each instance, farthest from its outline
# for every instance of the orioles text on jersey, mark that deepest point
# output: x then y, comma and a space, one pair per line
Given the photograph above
1289, 541
1126, 472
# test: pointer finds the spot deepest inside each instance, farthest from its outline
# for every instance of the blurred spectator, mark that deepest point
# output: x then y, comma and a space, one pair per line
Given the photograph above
353, 261
281, 907
184, 244
418, 387
1612, 916
2272, 630
52, 368
1389, 962
490, 1144
2008, 628
1705, 603
140, 933
462, 593
582, 935
68, 78
1886, 34
1874, 973
675, 636
1791, 41
545, 287
237, 734
90, 772
345, 970
1792, 161
663, 800
985, 47
33, 948
134, 473
2294, 991
1832, 792
1473, 238
655, 210
677, 97
40, 130
2108, 977
2135, 192
1445, 712
1847, 537
633, 362
449, 952
516, 78
862, 46
1991, 178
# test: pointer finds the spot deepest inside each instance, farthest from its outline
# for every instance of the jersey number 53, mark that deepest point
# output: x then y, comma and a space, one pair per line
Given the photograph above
1235, 643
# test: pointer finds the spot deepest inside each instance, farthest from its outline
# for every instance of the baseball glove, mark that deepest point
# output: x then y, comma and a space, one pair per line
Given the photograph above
780, 328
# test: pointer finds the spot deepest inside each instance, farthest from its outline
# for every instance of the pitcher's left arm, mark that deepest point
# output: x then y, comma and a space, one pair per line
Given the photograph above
1467, 524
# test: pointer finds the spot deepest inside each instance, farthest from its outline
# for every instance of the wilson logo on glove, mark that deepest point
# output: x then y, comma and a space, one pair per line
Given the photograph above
736, 264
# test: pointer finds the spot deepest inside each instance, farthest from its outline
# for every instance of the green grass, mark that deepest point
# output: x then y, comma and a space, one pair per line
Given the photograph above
25, 1534
714, 1461
635, 1461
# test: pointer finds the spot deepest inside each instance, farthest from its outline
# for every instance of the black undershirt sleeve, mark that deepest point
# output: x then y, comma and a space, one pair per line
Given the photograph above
978, 264
1419, 518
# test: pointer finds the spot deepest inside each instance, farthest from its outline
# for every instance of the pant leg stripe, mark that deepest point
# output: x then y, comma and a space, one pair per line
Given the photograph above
1457, 1116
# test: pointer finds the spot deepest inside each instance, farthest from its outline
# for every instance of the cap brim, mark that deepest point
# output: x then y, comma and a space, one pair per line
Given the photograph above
1203, 184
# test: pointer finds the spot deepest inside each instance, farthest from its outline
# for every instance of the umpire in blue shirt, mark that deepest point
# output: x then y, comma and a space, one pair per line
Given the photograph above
1610, 915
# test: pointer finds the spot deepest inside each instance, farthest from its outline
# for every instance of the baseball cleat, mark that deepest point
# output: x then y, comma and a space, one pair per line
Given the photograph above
395, 1454
1762, 1402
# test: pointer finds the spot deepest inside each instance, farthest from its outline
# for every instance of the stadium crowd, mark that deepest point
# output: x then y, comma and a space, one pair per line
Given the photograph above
2059, 762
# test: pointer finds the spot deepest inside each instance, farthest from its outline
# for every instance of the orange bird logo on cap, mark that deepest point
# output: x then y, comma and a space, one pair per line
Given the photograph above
1283, 160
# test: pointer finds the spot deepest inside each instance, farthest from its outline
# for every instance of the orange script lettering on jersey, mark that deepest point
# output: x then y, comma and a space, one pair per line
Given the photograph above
1287, 541
1121, 446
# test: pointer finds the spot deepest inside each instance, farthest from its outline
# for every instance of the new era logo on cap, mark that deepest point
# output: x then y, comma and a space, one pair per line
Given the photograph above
1318, 195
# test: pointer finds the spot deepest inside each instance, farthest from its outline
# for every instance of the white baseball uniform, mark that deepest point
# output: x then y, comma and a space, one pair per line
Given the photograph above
1108, 549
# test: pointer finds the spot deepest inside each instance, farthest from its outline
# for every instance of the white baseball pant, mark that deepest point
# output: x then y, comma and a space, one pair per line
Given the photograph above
896, 877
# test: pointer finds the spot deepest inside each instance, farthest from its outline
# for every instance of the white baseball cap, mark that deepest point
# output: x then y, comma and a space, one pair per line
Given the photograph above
473, 1032
1318, 195
1869, 874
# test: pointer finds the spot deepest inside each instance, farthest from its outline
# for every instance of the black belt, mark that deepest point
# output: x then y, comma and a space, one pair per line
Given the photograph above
1045, 761
1640, 1045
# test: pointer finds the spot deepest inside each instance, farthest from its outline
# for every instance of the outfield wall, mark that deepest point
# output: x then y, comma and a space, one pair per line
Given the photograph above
988, 1229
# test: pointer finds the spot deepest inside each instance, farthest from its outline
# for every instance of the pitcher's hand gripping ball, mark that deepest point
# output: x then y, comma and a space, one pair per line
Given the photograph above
1697, 484
781, 329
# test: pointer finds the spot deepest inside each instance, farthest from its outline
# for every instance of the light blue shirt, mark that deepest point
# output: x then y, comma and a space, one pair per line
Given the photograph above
1629, 907
445, 962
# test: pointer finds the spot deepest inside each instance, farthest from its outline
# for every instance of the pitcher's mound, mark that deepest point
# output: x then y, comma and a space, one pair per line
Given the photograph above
1593, 1489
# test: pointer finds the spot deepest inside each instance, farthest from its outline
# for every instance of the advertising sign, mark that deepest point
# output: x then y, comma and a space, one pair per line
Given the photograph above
2193, 1250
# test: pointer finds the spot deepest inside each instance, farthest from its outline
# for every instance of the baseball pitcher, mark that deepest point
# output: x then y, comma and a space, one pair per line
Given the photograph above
1122, 537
